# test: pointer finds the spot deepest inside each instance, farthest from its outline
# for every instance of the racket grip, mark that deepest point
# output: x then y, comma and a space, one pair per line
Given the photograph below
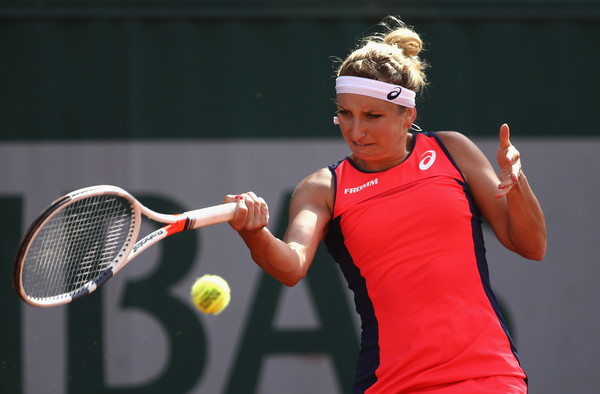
210, 215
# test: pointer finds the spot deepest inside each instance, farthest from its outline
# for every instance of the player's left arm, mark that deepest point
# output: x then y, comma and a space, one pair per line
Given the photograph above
505, 200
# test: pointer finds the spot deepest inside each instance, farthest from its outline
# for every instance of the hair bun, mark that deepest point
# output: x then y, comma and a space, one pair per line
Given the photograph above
405, 39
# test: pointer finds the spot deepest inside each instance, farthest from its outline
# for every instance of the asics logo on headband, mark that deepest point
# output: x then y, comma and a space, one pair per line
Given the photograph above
394, 93
372, 88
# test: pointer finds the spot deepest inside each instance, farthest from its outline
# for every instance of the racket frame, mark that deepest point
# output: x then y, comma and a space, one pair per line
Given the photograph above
130, 249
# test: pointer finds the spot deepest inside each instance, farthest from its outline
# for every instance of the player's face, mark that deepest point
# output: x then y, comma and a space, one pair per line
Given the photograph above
376, 131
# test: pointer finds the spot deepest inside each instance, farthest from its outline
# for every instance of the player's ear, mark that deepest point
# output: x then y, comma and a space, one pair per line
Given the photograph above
410, 116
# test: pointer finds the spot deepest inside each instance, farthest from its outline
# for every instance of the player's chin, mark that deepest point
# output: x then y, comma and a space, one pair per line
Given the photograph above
363, 151
366, 153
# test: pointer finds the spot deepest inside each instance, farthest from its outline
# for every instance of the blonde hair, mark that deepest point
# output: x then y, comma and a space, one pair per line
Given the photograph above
391, 56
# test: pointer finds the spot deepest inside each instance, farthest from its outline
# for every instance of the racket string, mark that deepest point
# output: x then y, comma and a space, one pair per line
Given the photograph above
77, 246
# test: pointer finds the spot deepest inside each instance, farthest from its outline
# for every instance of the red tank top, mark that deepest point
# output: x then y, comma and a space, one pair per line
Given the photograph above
410, 245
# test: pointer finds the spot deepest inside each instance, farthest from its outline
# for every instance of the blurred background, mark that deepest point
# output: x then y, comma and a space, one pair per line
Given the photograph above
181, 102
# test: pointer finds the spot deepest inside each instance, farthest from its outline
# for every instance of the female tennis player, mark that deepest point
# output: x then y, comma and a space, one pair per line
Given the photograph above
401, 215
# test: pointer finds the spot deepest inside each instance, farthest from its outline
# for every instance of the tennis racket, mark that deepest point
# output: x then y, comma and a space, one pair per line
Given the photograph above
85, 237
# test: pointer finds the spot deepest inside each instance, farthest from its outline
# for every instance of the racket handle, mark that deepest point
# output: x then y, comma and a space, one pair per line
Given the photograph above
210, 215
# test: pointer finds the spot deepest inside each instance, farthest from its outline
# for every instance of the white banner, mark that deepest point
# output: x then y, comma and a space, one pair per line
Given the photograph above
550, 305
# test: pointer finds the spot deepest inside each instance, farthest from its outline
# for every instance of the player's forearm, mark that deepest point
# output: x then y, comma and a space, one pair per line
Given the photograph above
526, 224
280, 260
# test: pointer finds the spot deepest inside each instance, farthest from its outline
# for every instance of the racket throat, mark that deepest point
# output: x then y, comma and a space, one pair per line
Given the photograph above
161, 233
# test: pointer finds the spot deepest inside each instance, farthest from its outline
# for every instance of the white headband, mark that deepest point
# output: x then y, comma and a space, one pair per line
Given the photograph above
380, 90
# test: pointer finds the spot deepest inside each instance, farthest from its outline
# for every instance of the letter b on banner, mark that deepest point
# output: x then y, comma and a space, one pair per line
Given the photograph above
150, 295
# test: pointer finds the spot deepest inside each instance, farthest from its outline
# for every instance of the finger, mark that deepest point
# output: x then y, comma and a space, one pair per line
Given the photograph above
264, 212
251, 201
252, 197
231, 198
512, 155
515, 170
259, 209
503, 192
513, 159
507, 181
504, 136
241, 213
254, 212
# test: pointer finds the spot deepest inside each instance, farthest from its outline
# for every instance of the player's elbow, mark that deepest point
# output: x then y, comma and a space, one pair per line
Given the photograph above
537, 256
530, 244
298, 265
291, 279
288, 277
539, 253
536, 250
290, 283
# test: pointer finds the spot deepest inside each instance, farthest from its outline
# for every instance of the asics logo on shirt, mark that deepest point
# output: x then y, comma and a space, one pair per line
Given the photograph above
427, 160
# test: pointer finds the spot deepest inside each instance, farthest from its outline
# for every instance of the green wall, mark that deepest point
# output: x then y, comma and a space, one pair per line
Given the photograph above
76, 70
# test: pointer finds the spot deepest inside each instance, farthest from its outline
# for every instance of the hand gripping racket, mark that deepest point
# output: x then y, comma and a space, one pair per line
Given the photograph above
85, 237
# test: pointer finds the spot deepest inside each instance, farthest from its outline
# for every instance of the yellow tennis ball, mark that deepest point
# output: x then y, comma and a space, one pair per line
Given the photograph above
211, 294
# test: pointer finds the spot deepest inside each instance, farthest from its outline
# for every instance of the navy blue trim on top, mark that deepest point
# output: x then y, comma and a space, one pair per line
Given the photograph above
479, 245
368, 359
482, 266
335, 182
448, 155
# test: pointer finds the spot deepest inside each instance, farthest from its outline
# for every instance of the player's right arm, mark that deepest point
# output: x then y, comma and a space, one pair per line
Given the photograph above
287, 260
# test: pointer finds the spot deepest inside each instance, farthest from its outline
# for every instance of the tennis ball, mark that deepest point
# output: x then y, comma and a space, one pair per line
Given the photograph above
211, 294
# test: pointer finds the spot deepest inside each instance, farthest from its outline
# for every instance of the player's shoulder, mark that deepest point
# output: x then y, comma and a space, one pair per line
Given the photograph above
452, 137
456, 142
468, 157
317, 187
320, 179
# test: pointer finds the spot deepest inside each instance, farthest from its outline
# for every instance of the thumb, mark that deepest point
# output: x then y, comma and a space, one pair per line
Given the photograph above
504, 136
